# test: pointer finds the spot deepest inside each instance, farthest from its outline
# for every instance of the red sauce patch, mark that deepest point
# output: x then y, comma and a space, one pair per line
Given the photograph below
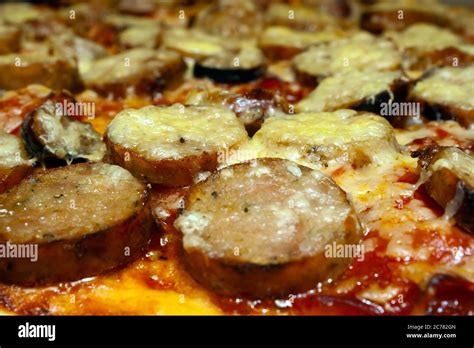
292, 92
450, 296
441, 133
409, 177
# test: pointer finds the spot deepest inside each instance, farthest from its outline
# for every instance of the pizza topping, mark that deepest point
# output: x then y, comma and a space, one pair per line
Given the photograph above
425, 37
86, 52
230, 19
363, 90
264, 230
170, 145
9, 39
398, 15
303, 17
20, 13
137, 7
359, 52
426, 46
14, 162
140, 36
21, 70
450, 183
72, 216
251, 107
51, 135
448, 93
244, 66
279, 42
121, 21
322, 140
139, 70
193, 43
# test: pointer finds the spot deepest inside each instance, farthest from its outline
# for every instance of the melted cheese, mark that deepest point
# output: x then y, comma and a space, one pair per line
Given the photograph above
458, 134
129, 67
298, 16
9, 39
452, 86
360, 52
12, 153
121, 21
286, 37
140, 36
320, 140
19, 13
193, 43
426, 6
426, 37
176, 131
458, 162
358, 86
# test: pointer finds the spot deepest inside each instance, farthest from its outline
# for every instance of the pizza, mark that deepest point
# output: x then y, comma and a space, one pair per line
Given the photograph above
303, 157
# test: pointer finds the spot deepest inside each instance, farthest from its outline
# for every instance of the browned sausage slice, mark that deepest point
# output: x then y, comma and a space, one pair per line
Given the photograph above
81, 219
278, 42
450, 182
363, 91
53, 71
138, 71
9, 39
14, 162
361, 51
394, 15
447, 93
251, 107
230, 20
262, 228
52, 135
170, 145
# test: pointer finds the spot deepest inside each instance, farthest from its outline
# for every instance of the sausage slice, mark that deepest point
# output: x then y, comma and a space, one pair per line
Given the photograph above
9, 39
363, 90
53, 136
245, 66
326, 140
230, 20
261, 228
359, 52
83, 219
278, 42
450, 173
139, 71
447, 93
193, 43
251, 107
398, 15
53, 71
170, 145
14, 162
